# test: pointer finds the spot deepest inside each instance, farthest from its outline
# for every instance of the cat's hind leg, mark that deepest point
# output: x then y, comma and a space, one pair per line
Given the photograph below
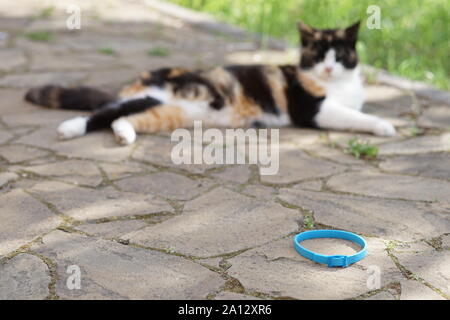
334, 116
103, 118
159, 119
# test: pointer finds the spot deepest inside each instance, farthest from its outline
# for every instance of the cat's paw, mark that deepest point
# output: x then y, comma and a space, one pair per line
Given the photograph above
123, 132
72, 128
384, 129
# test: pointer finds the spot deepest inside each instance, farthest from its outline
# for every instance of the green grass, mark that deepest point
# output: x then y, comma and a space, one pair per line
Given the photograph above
39, 36
46, 12
107, 51
362, 149
159, 52
413, 42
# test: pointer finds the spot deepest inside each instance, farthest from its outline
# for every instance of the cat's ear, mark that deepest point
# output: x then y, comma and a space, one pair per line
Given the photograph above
304, 28
351, 32
306, 32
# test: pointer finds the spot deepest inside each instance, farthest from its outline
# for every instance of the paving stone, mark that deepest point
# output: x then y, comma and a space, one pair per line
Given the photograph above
335, 155
106, 266
425, 144
389, 219
391, 186
5, 136
260, 191
295, 166
157, 150
72, 61
87, 204
342, 138
96, 146
166, 184
315, 185
111, 80
199, 230
435, 117
236, 173
35, 116
11, 59
433, 165
225, 295
113, 229
414, 290
383, 295
388, 101
24, 277
431, 265
23, 219
6, 177
28, 80
446, 241
19, 153
278, 270
73, 171
116, 171
13, 103
301, 138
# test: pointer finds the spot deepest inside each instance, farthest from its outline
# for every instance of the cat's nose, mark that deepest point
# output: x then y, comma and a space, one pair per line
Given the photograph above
328, 70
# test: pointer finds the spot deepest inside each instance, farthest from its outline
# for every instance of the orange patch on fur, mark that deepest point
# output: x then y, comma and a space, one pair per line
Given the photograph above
132, 90
243, 109
311, 86
54, 98
157, 119
175, 72
277, 83
146, 75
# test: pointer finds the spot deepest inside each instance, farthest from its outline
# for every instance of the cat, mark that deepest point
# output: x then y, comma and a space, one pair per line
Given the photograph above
324, 91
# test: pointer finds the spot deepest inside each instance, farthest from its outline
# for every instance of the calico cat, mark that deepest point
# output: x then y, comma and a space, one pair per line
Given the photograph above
324, 91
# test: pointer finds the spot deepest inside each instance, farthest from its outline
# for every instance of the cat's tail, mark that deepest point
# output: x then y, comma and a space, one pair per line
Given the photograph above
79, 98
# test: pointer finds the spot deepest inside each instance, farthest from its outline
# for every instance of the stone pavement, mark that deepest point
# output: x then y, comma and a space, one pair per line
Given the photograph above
140, 227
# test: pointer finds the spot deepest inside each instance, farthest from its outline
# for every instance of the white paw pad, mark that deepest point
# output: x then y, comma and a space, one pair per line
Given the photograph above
385, 129
72, 128
124, 132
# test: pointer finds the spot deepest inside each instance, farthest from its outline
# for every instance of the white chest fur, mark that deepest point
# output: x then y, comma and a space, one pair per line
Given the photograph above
346, 90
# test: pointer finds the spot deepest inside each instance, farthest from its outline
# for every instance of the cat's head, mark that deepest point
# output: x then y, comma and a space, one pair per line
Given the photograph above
329, 53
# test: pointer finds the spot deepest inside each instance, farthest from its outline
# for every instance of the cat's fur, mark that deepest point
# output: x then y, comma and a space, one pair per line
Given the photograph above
324, 91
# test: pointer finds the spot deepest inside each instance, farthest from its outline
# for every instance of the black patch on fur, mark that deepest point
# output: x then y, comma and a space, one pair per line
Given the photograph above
103, 118
80, 98
256, 86
302, 106
185, 82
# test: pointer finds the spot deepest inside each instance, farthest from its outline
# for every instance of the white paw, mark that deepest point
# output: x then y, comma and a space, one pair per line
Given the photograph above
384, 128
124, 132
72, 128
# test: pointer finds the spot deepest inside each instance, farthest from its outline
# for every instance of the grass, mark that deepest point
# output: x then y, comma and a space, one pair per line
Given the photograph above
362, 149
107, 51
159, 52
46, 12
39, 36
413, 40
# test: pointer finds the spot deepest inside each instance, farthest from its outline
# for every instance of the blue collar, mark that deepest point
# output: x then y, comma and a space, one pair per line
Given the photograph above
331, 261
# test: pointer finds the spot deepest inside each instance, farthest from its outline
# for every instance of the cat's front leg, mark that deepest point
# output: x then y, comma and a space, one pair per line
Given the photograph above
334, 116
